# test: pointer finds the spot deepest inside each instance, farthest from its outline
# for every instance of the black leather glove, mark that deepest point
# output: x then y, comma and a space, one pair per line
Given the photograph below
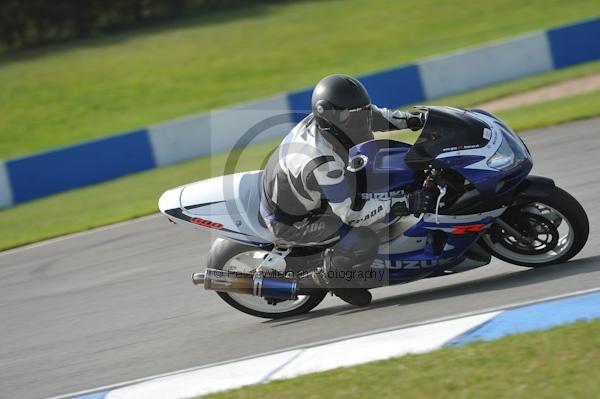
400, 207
422, 201
415, 121
399, 210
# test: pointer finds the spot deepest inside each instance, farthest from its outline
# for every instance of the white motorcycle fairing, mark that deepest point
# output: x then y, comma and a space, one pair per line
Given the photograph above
227, 205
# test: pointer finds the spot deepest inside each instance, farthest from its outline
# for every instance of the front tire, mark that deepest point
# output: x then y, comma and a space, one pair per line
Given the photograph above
230, 255
561, 222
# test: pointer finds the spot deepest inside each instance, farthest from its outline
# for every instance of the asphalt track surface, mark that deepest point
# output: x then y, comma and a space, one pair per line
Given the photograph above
117, 303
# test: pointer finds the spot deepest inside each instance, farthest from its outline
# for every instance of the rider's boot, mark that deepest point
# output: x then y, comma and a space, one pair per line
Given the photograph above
354, 296
337, 262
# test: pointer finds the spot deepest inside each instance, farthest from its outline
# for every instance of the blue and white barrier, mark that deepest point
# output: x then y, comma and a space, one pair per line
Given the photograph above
6, 195
358, 350
62, 169
74, 166
485, 65
217, 131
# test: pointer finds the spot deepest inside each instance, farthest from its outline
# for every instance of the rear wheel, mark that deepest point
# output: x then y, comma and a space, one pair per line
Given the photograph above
233, 256
543, 232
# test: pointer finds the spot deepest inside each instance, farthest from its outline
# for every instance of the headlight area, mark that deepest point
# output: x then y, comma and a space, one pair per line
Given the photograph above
504, 157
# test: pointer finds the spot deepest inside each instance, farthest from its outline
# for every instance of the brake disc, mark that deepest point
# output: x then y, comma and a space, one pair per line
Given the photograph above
541, 231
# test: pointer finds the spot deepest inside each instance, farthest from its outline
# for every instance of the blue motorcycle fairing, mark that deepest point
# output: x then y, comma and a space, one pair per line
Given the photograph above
452, 139
378, 167
460, 234
496, 186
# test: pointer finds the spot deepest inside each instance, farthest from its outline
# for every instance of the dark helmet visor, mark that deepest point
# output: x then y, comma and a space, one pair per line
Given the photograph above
355, 123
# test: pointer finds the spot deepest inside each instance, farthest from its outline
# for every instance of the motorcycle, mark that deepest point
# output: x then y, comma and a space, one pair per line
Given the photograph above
487, 205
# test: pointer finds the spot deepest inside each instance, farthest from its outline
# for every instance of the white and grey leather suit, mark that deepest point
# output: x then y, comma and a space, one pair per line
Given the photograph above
307, 194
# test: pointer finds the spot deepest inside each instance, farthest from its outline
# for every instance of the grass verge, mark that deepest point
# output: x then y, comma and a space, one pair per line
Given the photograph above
558, 363
505, 89
85, 89
137, 195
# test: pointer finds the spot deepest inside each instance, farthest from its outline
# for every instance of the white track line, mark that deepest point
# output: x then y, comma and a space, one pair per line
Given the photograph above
327, 341
288, 364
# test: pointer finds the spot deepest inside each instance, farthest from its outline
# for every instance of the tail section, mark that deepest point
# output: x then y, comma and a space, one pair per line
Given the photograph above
228, 206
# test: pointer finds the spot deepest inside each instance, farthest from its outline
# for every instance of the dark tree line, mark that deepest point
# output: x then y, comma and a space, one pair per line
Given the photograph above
26, 23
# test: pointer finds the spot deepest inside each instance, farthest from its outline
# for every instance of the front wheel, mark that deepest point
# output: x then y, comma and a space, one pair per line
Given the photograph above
542, 232
235, 257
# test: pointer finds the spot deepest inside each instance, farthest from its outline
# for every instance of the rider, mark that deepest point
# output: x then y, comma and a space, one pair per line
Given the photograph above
309, 199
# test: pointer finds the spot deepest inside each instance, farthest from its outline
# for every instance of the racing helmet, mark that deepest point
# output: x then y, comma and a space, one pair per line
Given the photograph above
341, 107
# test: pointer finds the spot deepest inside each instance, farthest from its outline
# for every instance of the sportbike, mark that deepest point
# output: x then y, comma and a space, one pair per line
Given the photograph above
487, 205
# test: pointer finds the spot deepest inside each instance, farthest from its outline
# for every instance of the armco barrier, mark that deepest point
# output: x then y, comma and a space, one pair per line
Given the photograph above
37, 175
6, 196
574, 44
216, 131
75, 166
482, 66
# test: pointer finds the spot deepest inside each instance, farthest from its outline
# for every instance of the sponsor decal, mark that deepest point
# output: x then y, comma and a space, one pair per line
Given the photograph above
487, 134
178, 214
382, 196
410, 264
314, 227
368, 216
468, 228
460, 147
206, 223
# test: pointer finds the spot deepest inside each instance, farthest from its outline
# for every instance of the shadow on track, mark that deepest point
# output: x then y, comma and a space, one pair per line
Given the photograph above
481, 285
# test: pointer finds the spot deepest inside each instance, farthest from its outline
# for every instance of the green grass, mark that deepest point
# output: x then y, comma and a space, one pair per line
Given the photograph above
552, 112
137, 195
86, 89
558, 363
505, 89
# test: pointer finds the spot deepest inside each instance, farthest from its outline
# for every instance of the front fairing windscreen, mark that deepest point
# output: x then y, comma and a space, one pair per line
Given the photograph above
446, 129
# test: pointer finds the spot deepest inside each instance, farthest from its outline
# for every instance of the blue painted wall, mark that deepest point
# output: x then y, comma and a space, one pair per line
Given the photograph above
576, 43
79, 165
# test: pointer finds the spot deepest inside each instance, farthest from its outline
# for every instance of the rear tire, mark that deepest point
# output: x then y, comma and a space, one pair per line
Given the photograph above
576, 219
222, 252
